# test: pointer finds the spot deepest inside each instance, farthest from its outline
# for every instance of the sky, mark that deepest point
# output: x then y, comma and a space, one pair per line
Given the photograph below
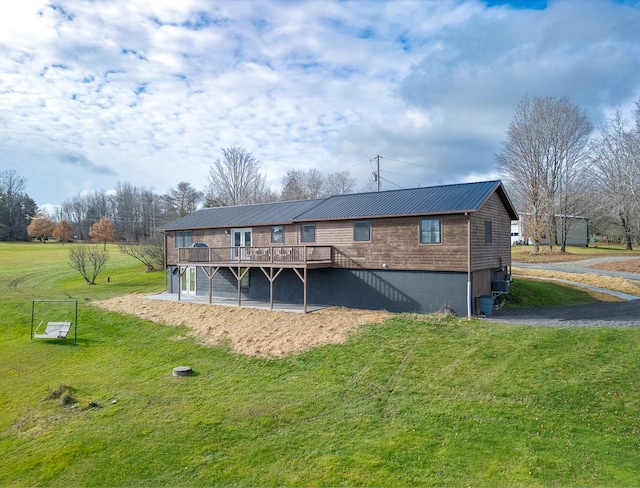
148, 92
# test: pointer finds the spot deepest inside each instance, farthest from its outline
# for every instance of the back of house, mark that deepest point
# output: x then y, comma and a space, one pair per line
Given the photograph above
415, 250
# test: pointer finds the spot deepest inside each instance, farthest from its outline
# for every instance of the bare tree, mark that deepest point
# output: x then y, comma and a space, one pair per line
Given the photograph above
135, 212
338, 183
89, 262
236, 179
304, 185
149, 252
541, 160
616, 170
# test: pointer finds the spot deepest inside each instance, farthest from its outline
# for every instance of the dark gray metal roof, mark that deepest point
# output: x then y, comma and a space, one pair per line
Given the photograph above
459, 198
465, 197
276, 213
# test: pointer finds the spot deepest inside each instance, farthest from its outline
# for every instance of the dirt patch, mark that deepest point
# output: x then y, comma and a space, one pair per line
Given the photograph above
525, 254
248, 331
544, 255
627, 266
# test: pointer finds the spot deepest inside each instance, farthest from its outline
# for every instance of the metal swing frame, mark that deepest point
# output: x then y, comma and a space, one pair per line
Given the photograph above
54, 330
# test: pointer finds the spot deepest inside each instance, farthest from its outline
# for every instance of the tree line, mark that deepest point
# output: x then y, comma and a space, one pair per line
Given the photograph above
137, 212
556, 165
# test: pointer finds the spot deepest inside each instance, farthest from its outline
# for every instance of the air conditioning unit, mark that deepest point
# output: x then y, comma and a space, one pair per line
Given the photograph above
501, 286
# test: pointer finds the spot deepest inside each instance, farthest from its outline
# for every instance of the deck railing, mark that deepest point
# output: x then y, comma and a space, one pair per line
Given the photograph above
257, 255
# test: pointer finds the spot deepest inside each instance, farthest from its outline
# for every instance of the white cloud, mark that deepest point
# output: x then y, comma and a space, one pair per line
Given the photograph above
148, 92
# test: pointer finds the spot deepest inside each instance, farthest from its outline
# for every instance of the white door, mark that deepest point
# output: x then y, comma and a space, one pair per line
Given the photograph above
188, 281
240, 238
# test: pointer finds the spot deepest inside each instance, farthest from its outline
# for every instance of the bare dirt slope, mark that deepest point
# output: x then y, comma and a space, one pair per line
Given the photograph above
250, 331
628, 266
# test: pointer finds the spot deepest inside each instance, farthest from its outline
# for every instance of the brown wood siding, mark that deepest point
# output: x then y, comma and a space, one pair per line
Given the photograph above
481, 283
211, 237
170, 251
396, 243
497, 253
261, 236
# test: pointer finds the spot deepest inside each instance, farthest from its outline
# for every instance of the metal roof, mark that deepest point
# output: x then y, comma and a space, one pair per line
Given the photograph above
275, 213
466, 197
458, 198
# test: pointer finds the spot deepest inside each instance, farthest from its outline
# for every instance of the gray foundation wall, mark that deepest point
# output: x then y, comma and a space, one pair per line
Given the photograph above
396, 291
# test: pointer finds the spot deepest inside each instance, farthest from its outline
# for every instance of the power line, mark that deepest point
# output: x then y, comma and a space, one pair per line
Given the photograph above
378, 178
397, 174
394, 184
425, 166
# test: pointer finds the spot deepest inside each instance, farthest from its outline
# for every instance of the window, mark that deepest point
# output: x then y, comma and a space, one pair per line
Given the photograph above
362, 230
308, 233
488, 235
430, 231
277, 234
184, 238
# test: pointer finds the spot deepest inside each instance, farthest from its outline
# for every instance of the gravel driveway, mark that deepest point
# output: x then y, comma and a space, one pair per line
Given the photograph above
599, 314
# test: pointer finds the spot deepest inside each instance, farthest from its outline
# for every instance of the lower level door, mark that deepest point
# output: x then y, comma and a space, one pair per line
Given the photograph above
188, 281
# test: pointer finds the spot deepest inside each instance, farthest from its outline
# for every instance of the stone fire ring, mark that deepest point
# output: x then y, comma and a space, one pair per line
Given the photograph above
182, 371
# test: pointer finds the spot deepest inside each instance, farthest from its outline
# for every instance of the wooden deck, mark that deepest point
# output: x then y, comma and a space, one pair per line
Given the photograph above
271, 260
258, 256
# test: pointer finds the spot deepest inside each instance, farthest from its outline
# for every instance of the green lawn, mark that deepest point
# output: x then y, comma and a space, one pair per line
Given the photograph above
415, 401
532, 293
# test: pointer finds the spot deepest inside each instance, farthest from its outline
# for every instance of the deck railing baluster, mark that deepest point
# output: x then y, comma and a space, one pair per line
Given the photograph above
274, 255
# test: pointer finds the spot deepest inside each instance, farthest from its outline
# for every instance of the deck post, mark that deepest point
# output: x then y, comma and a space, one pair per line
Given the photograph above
271, 277
270, 288
211, 288
304, 281
211, 275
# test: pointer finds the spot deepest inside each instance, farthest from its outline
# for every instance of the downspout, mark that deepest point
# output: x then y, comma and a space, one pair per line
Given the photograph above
164, 263
469, 298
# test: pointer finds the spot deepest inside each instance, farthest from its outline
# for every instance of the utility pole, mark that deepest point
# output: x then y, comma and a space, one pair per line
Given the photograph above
376, 173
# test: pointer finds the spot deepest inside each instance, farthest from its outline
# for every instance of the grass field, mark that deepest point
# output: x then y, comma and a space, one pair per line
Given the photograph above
415, 401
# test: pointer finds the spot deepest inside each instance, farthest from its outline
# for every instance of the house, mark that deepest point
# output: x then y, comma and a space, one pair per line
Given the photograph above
413, 250
577, 230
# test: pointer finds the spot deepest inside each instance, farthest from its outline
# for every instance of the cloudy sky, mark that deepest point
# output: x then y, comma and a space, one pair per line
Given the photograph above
93, 93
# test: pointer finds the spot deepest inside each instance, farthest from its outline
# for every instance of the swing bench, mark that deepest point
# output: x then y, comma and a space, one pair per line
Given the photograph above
54, 329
